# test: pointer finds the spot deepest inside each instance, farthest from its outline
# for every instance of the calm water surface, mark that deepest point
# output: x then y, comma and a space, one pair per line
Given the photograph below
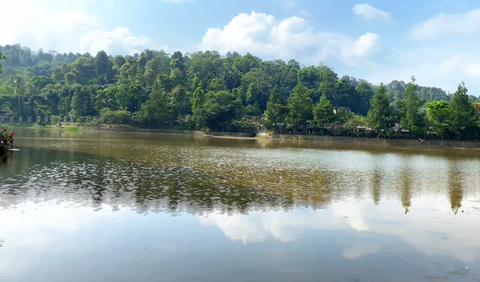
103, 207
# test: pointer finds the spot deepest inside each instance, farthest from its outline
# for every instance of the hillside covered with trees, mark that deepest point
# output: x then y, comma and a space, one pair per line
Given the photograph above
208, 91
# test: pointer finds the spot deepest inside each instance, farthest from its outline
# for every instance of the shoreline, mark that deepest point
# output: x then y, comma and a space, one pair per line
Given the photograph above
429, 143
432, 143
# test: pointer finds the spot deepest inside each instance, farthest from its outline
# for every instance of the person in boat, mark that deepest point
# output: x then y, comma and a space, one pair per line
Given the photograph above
5, 137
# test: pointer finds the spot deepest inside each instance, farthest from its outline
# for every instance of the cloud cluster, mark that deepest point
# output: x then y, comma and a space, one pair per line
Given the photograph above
38, 27
442, 52
116, 41
49, 25
445, 25
365, 217
265, 36
259, 226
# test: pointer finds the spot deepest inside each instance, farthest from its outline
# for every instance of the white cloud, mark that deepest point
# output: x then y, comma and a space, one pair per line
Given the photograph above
117, 41
443, 63
474, 70
259, 226
442, 66
38, 27
370, 13
444, 25
361, 47
64, 27
264, 35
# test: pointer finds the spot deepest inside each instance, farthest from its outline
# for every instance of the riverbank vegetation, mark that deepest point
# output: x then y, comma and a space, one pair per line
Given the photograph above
207, 91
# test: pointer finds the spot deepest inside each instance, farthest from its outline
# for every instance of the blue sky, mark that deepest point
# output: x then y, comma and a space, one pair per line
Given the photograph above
379, 40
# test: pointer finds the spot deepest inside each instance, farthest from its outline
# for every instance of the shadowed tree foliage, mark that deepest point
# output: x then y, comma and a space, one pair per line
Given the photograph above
380, 116
462, 120
412, 118
323, 112
277, 110
300, 107
235, 92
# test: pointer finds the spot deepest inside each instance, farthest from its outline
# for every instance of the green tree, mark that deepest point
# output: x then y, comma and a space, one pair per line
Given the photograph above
217, 84
106, 99
439, 114
109, 116
365, 92
246, 63
346, 95
51, 94
258, 86
179, 95
198, 100
327, 86
300, 107
118, 62
380, 115
177, 62
84, 71
157, 109
176, 77
221, 109
253, 110
463, 113
277, 110
82, 102
323, 112
129, 96
412, 119
310, 77
102, 65
158, 87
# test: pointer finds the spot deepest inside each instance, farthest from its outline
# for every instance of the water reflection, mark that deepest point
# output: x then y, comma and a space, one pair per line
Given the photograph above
432, 229
455, 189
406, 187
185, 209
214, 182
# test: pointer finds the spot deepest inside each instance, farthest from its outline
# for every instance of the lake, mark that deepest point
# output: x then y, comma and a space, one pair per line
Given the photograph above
102, 206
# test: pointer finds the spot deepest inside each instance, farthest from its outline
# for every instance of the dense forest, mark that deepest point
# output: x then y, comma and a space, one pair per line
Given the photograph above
208, 91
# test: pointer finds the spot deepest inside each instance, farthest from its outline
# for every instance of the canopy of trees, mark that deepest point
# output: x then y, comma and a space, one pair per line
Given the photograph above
205, 90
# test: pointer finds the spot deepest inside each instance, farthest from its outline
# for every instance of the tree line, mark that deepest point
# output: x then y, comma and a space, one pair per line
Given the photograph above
208, 91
